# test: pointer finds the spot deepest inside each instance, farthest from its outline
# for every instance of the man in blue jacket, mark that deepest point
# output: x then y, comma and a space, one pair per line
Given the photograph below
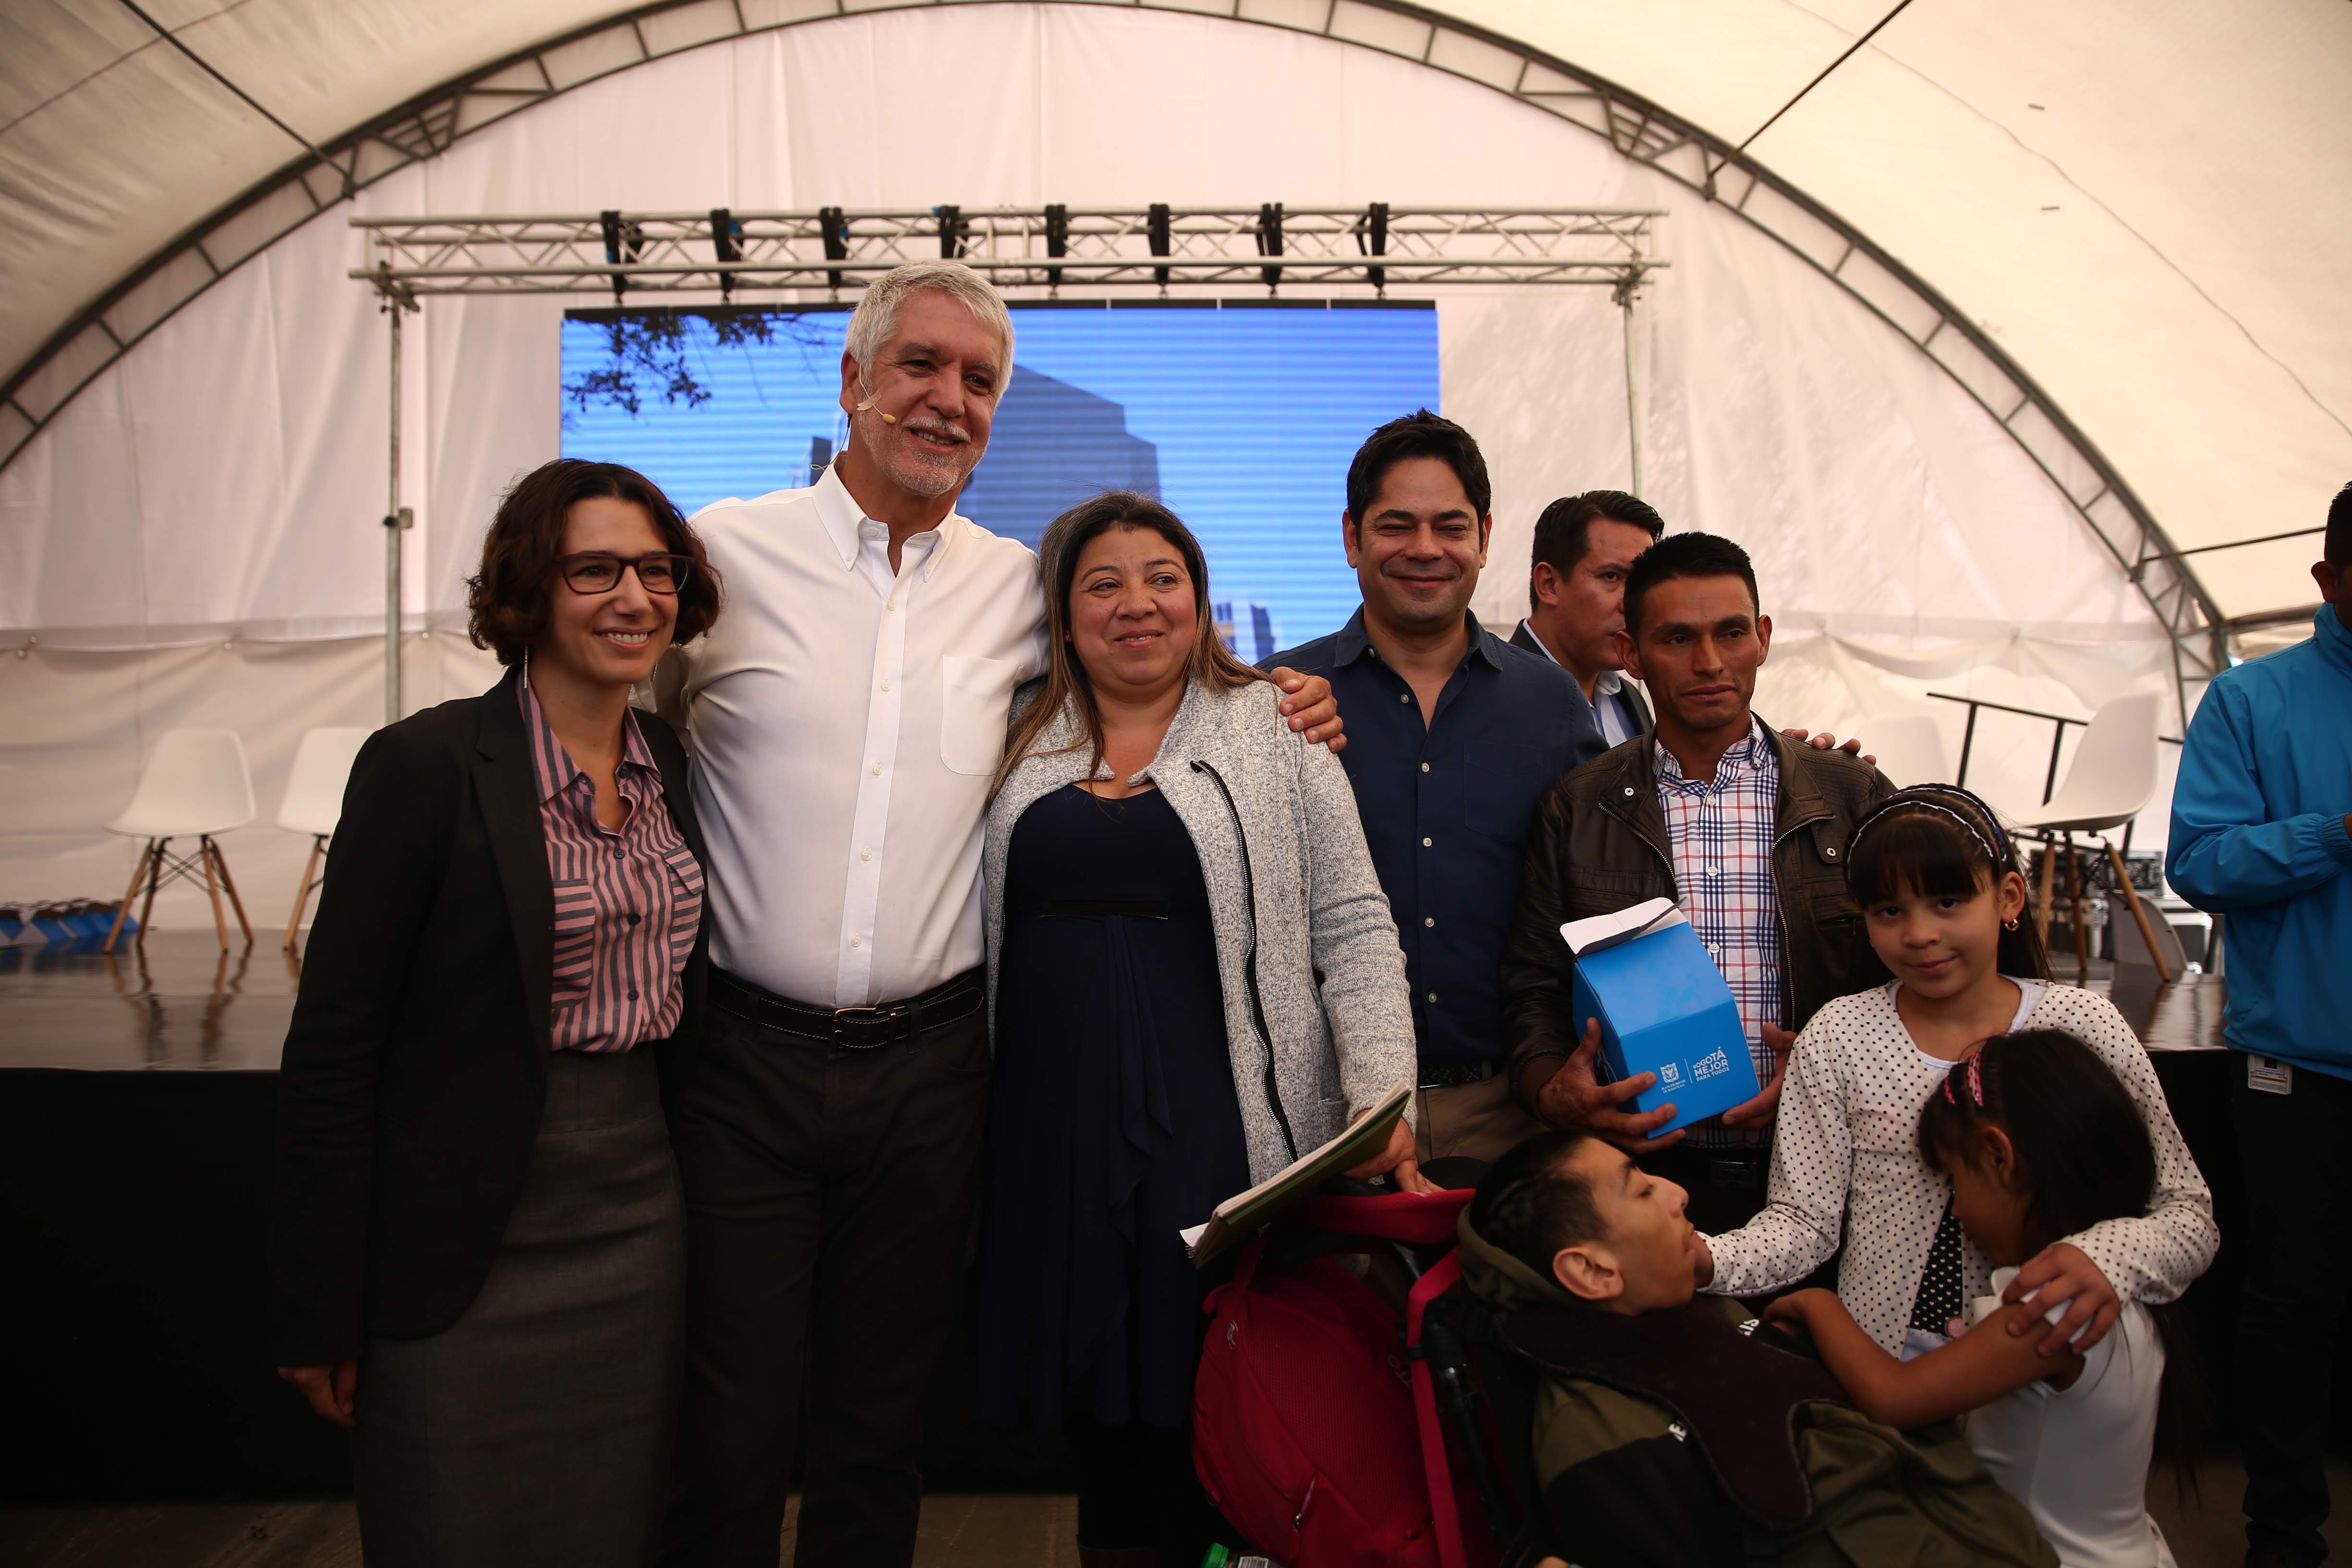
2262, 833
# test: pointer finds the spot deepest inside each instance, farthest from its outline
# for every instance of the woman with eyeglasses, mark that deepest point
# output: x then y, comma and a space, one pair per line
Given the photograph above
478, 1255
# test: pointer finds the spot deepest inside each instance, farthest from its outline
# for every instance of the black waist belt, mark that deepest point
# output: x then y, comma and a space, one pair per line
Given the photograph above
855, 1028
1454, 1075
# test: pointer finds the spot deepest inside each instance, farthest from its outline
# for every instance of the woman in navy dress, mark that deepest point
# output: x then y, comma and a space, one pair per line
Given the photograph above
1118, 1116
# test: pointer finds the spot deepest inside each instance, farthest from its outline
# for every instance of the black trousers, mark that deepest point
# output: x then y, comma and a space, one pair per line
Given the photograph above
2297, 1152
828, 1193
1727, 1186
1138, 1490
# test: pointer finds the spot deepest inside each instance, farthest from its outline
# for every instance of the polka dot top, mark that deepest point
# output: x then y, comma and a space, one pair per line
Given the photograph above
1846, 1158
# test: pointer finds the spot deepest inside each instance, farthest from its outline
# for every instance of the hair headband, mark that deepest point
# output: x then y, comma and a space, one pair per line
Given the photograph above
1976, 1081
1980, 805
1974, 831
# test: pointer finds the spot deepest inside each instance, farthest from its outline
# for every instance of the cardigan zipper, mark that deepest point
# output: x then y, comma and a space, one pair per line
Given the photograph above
1249, 961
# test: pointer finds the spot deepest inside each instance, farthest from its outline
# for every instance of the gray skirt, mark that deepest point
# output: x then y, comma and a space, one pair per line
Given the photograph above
537, 1428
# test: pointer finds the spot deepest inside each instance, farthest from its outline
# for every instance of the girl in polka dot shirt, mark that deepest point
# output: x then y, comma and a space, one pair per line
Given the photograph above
2040, 1141
1940, 888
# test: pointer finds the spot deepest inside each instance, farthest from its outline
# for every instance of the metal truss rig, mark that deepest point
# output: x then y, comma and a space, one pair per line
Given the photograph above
1641, 130
1048, 248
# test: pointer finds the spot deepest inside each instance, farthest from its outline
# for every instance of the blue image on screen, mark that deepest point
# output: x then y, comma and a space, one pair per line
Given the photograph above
1243, 420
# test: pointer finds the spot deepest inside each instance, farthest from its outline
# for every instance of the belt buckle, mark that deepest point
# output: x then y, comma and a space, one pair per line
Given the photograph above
842, 1016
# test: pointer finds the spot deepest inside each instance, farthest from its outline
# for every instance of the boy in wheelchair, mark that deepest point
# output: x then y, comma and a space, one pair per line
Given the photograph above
1668, 1430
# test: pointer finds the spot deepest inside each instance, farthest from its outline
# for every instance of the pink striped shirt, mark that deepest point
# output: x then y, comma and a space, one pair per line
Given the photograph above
627, 903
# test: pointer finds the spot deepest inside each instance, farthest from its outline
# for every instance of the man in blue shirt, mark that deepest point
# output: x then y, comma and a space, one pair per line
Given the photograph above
2262, 834
1454, 735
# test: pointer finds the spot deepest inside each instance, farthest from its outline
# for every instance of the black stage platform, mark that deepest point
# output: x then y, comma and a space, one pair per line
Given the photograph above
136, 1094
135, 1102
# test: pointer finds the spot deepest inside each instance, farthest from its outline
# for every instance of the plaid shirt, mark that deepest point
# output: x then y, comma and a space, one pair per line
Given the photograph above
627, 903
1722, 838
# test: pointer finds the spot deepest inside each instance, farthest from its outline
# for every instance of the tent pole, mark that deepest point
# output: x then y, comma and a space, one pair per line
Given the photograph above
1624, 292
392, 531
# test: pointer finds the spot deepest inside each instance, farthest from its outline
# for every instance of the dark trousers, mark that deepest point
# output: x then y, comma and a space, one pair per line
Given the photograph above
1727, 1186
1138, 1490
828, 1193
2297, 1152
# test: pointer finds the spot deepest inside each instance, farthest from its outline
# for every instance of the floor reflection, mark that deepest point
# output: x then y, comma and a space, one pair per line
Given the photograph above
169, 1001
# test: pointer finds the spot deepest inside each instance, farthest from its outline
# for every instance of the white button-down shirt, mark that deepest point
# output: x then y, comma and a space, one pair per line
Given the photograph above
846, 720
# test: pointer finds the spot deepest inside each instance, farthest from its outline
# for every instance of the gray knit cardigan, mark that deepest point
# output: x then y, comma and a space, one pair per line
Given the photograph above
1336, 1046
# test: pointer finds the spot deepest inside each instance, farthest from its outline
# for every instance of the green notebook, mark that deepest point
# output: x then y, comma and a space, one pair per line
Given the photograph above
1243, 1213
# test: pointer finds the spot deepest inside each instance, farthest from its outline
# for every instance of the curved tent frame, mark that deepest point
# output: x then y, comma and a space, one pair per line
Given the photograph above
432, 122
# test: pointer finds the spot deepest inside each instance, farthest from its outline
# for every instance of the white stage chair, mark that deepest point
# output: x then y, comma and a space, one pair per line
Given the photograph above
196, 785
1909, 748
314, 802
2112, 779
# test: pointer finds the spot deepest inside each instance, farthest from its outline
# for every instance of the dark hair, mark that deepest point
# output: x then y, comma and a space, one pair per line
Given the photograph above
509, 596
1564, 532
1212, 664
1531, 1205
2339, 549
2083, 1155
2083, 1147
1941, 842
1420, 433
1685, 556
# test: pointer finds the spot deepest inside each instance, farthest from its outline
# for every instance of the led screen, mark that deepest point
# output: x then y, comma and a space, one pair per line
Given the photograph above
1243, 419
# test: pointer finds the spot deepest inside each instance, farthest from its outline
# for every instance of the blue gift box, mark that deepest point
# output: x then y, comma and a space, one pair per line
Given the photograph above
1664, 1008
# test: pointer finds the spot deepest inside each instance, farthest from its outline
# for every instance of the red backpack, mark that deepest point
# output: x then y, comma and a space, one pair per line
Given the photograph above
1314, 1430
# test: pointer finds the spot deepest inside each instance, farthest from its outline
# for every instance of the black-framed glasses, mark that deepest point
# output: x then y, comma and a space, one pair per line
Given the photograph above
594, 572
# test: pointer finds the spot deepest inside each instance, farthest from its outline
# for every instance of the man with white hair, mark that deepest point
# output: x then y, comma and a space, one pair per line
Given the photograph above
847, 715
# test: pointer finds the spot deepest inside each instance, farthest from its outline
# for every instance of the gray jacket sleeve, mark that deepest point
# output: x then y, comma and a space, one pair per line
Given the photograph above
1362, 966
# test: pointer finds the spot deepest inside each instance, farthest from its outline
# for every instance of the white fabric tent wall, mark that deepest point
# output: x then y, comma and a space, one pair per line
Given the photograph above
218, 492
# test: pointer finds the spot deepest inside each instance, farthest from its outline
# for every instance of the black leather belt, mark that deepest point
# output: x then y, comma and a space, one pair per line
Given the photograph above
1453, 1075
853, 1028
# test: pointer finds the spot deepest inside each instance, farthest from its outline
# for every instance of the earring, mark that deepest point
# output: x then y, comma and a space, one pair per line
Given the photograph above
2010, 924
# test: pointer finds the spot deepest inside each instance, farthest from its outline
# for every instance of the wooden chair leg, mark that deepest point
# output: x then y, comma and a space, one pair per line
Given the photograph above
212, 887
2042, 896
2138, 911
124, 908
302, 893
2076, 889
154, 880
220, 863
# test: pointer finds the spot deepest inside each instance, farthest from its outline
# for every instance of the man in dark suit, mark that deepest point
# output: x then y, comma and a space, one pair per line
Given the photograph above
1585, 545
1576, 599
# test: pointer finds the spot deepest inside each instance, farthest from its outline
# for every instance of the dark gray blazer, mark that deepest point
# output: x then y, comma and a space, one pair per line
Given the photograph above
1632, 692
415, 1069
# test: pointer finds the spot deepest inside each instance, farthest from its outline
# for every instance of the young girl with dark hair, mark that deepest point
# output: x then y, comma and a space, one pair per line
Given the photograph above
2039, 1140
1944, 902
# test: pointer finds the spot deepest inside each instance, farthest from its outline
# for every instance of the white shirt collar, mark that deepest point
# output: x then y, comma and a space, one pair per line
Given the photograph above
844, 520
1608, 683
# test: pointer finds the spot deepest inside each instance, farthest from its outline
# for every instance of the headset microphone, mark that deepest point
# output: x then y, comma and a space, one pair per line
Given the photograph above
886, 419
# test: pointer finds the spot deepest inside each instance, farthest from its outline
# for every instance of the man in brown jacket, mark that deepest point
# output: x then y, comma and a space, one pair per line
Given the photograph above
1746, 829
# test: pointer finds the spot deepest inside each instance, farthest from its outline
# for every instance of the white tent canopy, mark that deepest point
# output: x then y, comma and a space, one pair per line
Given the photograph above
2123, 204
2148, 206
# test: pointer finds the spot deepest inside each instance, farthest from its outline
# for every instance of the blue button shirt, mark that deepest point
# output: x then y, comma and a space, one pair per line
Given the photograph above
1446, 808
